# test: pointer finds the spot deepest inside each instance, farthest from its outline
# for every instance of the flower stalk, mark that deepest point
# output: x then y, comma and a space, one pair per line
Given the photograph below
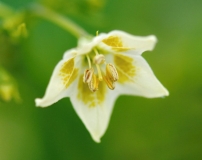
48, 14
58, 19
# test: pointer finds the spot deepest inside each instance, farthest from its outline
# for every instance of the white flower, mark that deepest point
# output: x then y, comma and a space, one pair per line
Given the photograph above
95, 73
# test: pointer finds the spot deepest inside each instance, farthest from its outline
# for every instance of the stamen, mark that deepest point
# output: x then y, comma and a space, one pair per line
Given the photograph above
112, 72
88, 73
89, 62
93, 84
99, 59
96, 52
109, 82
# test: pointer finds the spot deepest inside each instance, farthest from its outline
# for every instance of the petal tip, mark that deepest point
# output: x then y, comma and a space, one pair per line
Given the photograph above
153, 38
95, 136
96, 139
165, 93
39, 103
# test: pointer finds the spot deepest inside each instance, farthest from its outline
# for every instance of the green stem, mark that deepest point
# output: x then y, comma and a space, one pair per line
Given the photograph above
60, 20
49, 15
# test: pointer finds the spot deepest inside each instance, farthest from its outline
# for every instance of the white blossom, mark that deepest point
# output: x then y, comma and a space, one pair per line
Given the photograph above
95, 73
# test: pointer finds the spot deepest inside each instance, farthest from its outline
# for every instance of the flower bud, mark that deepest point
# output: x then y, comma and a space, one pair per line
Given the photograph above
88, 73
112, 72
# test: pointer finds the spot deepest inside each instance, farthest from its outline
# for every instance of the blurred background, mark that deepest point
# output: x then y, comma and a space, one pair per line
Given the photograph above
140, 129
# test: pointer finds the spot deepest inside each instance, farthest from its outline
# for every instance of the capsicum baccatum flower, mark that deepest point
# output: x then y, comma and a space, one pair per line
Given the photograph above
95, 73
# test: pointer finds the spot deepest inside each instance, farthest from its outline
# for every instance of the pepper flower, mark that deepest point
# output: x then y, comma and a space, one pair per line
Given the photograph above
95, 73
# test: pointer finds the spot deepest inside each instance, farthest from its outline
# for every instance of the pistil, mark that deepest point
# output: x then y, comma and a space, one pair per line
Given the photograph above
99, 72
97, 65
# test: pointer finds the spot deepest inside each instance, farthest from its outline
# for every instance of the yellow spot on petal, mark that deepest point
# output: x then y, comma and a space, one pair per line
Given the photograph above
91, 99
68, 73
125, 67
116, 43
73, 77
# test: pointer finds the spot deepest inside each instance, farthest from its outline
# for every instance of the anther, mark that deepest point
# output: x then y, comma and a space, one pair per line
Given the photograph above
111, 72
93, 84
109, 82
88, 74
99, 59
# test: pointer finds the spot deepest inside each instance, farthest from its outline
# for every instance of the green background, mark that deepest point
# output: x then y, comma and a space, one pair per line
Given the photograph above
140, 129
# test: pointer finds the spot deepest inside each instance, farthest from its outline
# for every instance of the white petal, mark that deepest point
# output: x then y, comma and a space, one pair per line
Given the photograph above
94, 108
137, 78
120, 41
70, 53
61, 82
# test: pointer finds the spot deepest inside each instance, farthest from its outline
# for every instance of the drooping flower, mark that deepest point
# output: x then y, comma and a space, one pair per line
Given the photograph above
95, 73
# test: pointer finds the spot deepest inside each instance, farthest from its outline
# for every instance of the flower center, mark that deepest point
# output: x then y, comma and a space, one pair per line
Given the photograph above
110, 76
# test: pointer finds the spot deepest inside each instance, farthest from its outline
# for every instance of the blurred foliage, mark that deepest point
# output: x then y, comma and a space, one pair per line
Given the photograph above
85, 10
8, 87
140, 129
75, 6
15, 27
8, 50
